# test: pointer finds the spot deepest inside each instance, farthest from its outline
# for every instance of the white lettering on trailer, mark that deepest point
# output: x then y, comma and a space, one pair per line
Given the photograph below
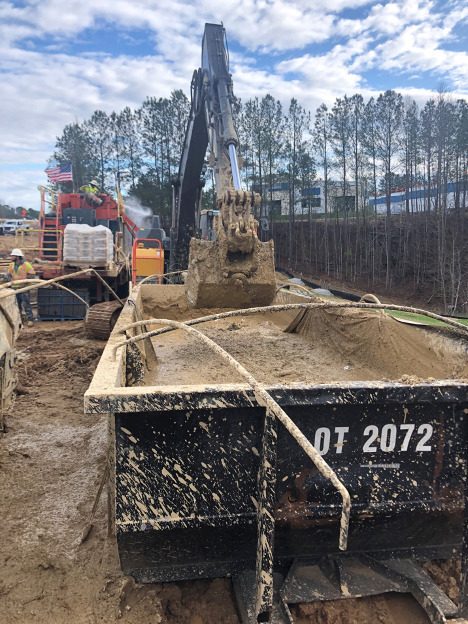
341, 433
322, 440
427, 431
409, 432
373, 432
388, 437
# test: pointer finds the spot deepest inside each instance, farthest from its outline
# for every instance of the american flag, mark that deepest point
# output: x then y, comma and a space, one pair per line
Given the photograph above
60, 174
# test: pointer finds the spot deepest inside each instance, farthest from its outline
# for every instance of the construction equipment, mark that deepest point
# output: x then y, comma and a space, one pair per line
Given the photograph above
59, 210
208, 479
150, 252
236, 268
299, 490
101, 319
147, 259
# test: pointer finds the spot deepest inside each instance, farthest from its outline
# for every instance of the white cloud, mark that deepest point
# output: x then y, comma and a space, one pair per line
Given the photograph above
19, 187
45, 87
329, 75
417, 47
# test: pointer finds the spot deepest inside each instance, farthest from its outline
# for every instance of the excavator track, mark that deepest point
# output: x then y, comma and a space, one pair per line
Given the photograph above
101, 319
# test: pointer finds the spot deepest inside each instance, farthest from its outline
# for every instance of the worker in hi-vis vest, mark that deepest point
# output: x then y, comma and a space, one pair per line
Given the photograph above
21, 269
92, 187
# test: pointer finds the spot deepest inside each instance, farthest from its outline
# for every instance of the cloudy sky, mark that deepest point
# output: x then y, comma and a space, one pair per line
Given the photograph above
61, 60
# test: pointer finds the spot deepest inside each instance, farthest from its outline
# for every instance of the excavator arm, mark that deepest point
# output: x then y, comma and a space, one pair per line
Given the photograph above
236, 269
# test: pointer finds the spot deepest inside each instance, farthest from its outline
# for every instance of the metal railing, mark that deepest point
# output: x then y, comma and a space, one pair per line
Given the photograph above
20, 242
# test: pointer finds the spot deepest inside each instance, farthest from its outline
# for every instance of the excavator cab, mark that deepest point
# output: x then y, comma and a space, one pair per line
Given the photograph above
206, 224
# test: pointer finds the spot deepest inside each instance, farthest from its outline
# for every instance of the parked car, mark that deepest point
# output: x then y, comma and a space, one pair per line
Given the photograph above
11, 225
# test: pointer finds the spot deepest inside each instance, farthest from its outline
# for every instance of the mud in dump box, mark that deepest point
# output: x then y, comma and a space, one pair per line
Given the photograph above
204, 484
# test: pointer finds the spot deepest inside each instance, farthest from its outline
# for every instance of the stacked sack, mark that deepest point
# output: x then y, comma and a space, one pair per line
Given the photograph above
84, 245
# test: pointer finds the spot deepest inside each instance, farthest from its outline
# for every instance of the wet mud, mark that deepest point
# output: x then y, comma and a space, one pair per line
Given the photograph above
326, 346
51, 462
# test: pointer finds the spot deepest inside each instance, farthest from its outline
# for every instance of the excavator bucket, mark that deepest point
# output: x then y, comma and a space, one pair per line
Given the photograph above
237, 269
217, 278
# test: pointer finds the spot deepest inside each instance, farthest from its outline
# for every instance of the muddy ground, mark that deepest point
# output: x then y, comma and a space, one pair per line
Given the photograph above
51, 461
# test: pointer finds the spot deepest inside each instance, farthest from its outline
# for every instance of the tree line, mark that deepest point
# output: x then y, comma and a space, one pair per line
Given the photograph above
146, 142
11, 212
353, 150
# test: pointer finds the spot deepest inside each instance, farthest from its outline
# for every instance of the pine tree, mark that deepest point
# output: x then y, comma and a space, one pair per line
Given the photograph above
389, 117
74, 146
296, 123
131, 144
273, 121
98, 130
322, 147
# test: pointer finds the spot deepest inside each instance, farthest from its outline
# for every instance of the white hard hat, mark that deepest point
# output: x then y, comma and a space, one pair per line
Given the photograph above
16, 252
94, 182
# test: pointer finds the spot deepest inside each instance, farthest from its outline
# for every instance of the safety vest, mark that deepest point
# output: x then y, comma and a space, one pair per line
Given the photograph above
23, 271
87, 188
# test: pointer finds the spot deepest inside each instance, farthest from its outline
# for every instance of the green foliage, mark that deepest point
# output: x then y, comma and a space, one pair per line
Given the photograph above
355, 149
98, 129
147, 142
7, 212
75, 146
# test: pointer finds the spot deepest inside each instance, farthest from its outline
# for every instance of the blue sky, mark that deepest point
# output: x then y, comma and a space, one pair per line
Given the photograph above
60, 61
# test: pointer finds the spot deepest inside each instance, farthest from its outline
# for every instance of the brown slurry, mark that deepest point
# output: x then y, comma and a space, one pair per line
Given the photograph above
382, 609
327, 346
217, 279
447, 576
375, 341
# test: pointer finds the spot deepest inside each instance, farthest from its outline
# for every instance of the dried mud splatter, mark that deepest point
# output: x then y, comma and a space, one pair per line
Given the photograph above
51, 460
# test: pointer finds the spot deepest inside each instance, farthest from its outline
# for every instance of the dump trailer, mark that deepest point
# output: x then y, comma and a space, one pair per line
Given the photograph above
330, 470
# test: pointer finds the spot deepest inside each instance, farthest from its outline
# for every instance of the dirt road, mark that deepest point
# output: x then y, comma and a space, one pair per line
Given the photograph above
51, 461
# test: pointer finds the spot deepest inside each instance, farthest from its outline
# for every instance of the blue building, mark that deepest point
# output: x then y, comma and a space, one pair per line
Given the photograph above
420, 198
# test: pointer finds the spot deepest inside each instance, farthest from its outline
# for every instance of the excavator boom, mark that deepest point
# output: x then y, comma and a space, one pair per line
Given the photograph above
236, 269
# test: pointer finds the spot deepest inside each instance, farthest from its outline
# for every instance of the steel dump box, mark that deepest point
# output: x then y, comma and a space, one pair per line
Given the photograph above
190, 496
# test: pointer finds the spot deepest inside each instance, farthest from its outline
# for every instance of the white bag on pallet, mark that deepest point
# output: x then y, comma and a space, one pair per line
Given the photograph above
84, 245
